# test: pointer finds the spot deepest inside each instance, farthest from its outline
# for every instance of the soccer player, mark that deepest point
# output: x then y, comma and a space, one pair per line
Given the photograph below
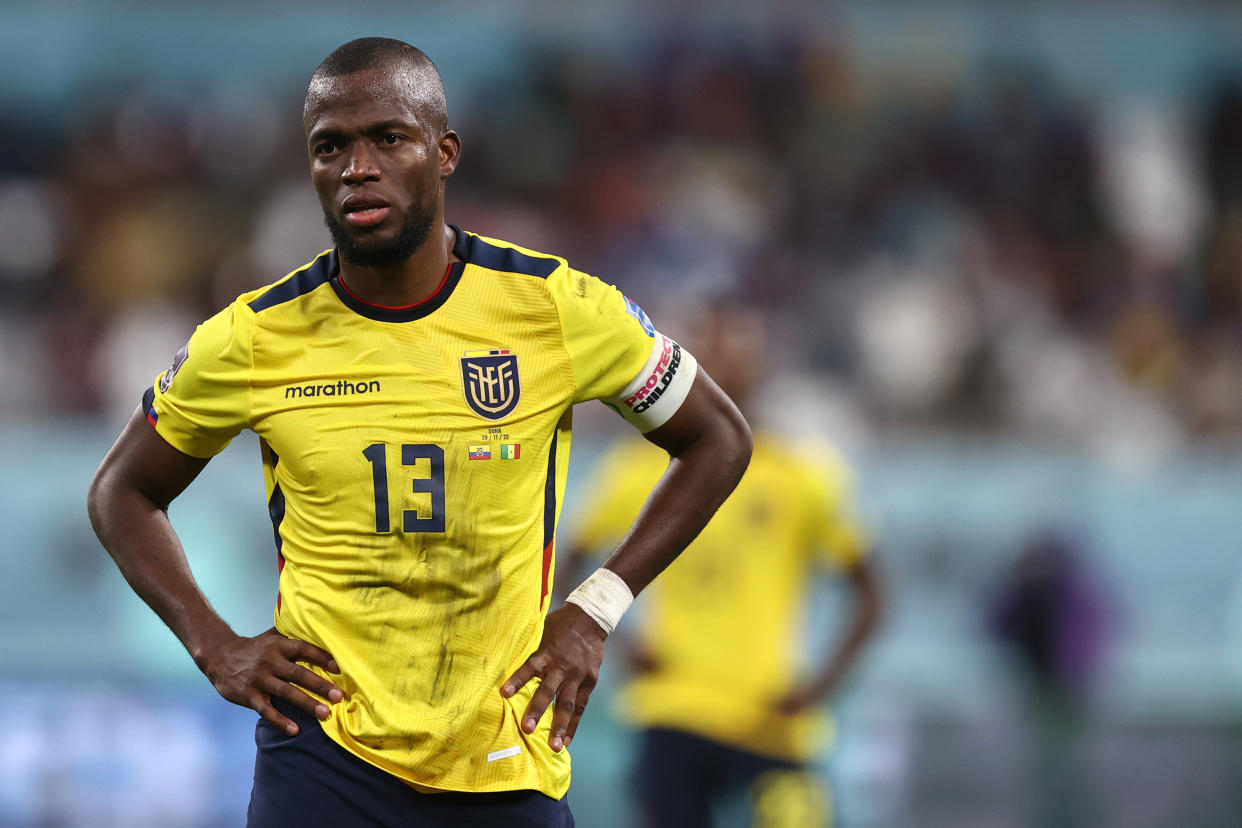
716, 691
412, 391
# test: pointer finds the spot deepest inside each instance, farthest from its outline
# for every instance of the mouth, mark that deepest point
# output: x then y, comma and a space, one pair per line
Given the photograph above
365, 212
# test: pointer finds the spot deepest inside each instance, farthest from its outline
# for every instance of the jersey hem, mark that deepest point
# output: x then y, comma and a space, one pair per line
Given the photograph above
397, 772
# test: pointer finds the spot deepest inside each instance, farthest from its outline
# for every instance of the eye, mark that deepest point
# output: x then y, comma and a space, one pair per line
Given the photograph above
324, 148
391, 139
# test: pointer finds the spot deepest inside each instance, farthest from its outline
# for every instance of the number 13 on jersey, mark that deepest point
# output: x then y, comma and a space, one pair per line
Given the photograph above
432, 484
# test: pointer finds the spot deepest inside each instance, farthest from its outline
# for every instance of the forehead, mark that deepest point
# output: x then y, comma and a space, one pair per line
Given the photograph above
359, 97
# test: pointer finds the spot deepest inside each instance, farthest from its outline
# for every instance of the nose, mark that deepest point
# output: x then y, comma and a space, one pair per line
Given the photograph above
359, 167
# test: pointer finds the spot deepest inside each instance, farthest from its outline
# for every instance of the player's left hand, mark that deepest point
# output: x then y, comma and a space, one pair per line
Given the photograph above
567, 663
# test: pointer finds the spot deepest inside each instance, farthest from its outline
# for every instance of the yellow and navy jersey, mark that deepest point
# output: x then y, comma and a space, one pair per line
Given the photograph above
721, 623
415, 460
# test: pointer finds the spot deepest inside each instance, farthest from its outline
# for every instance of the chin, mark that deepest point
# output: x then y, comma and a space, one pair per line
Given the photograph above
377, 247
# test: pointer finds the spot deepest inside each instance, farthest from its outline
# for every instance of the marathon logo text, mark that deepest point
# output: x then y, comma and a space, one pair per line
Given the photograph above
659, 380
338, 389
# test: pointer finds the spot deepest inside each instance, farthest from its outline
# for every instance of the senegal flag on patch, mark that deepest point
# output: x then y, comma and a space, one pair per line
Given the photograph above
510, 451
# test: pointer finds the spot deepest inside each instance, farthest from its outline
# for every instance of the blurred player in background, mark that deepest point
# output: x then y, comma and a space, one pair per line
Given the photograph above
412, 390
716, 689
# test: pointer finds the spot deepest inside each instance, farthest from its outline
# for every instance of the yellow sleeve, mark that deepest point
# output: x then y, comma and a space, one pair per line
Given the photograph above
618, 356
837, 533
202, 400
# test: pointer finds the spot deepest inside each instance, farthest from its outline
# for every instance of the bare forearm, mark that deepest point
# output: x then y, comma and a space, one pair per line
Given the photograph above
144, 546
709, 446
128, 503
697, 481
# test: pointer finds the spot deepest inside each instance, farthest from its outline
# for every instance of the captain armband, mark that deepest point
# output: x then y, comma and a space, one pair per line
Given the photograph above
604, 597
660, 388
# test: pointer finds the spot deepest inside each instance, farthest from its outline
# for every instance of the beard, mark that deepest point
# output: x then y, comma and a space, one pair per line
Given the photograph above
388, 251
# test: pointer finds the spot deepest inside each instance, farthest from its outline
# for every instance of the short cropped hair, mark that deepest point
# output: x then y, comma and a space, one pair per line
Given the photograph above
370, 53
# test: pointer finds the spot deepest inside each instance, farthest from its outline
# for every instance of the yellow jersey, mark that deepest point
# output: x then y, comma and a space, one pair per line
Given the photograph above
415, 460
721, 621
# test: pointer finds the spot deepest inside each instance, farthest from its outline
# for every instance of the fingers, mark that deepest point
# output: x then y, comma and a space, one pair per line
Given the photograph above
263, 706
584, 693
540, 701
254, 671
525, 673
274, 686
296, 650
566, 706
567, 664
313, 682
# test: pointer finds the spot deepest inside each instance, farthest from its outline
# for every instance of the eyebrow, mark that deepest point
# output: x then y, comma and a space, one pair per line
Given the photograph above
333, 132
391, 125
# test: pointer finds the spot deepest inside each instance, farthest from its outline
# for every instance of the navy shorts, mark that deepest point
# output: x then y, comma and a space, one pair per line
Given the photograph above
681, 780
308, 779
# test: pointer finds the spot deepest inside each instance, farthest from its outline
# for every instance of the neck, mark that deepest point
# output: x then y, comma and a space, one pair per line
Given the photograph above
407, 282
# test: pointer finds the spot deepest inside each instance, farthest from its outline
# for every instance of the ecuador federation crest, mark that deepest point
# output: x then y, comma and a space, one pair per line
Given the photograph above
490, 382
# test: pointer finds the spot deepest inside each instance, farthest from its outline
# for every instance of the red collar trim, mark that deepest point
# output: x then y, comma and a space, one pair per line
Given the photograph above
341, 279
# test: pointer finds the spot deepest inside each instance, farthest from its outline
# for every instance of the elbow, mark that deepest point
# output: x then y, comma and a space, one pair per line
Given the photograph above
96, 500
104, 498
730, 442
742, 441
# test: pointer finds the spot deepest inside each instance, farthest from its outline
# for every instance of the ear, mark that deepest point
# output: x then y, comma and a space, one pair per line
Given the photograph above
450, 152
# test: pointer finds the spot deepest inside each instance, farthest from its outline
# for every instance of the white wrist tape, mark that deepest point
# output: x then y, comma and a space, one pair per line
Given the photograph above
604, 597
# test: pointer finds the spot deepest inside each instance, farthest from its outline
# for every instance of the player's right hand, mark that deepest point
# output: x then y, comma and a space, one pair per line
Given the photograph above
250, 671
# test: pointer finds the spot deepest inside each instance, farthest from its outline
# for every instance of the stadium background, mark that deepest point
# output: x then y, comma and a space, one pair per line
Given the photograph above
1004, 246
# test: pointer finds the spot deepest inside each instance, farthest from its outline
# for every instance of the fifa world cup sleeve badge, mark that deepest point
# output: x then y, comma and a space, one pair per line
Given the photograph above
178, 361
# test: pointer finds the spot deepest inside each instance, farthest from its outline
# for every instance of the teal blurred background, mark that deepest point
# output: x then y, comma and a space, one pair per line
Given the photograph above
1004, 246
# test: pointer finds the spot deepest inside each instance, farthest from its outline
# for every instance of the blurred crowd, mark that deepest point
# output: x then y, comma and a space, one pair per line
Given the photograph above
975, 249
963, 246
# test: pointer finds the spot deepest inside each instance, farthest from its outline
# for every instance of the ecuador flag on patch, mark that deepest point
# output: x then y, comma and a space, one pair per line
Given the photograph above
510, 451
480, 452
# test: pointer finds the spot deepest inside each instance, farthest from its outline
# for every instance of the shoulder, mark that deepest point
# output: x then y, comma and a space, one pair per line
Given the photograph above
295, 284
581, 300
566, 287
505, 257
233, 326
